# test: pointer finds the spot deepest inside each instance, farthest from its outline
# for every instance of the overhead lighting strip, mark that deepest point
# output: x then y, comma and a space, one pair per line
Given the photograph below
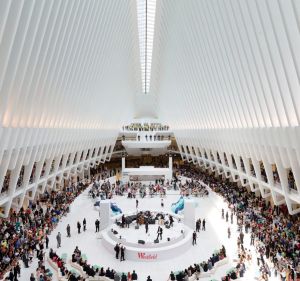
146, 20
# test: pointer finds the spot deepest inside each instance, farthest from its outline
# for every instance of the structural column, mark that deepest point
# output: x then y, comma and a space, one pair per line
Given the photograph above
170, 168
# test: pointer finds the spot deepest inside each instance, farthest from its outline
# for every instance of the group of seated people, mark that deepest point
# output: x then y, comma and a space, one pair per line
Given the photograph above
196, 269
63, 270
267, 224
25, 232
106, 190
193, 187
100, 271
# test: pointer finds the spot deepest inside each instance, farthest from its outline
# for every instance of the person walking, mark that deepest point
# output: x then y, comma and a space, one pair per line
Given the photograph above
58, 239
203, 224
84, 224
68, 230
136, 203
231, 218
222, 213
228, 232
194, 238
162, 202
78, 227
97, 224
122, 258
227, 216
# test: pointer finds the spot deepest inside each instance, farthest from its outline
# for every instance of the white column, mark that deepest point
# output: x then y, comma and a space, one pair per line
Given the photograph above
170, 168
189, 213
104, 214
123, 167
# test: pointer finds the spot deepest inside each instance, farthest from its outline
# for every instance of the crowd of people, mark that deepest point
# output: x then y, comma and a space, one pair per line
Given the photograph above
100, 271
146, 127
274, 233
6, 181
25, 233
62, 268
197, 268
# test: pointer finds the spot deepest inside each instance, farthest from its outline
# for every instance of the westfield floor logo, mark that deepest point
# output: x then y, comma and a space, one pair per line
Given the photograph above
144, 256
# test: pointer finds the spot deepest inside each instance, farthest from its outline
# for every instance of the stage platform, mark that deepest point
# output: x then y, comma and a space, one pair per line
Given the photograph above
180, 239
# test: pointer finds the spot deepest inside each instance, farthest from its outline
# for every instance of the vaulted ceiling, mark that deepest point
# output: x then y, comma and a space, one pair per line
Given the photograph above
224, 75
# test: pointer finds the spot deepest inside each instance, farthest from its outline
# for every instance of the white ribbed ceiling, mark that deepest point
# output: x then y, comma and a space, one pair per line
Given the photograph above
216, 64
72, 72
67, 63
227, 64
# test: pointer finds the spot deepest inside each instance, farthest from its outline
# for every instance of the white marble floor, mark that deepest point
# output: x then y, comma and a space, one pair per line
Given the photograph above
208, 241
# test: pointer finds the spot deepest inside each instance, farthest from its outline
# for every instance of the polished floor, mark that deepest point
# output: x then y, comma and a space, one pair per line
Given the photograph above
208, 241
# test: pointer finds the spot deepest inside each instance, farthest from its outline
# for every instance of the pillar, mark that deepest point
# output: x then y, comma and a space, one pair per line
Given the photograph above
189, 213
104, 214
170, 168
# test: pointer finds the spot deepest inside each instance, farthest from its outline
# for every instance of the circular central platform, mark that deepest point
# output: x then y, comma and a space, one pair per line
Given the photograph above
142, 246
132, 235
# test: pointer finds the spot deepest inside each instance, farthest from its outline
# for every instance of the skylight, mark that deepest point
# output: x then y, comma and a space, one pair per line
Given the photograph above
146, 20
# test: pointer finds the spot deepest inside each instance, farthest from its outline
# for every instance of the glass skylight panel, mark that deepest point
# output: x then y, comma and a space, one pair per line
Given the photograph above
146, 19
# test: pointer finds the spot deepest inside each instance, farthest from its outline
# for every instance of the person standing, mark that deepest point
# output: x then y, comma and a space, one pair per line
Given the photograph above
68, 231
17, 271
58, 239
171, 220
227, 216
159, 233
198, 225
162, 202
78, 227
47, 241
117, 250
134, 275
122, 258
231, 218
242, 237
146, 226
222, 213
25, 259
136, 203
194, 238
11, 275
123, 221
97, 224
228, 232
203, 224
84, 224
252, 239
